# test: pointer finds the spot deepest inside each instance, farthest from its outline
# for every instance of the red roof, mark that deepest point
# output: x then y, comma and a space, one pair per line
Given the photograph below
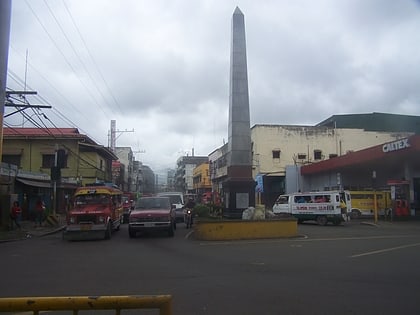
41, 132
390, 152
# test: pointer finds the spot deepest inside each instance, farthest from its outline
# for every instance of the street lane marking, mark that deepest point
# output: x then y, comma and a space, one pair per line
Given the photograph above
300, 238
385, 250
353, 238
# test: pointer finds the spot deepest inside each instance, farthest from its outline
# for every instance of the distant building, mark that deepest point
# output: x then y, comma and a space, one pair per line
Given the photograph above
185, 172
148, 184
126, 157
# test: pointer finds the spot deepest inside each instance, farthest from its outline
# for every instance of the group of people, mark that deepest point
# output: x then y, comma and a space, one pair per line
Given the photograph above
16, 214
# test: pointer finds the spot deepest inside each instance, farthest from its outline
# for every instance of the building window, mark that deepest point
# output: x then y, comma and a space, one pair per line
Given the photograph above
12, 159
332, 155
276, 154
317, 155
48, 160
301, 156
101, 164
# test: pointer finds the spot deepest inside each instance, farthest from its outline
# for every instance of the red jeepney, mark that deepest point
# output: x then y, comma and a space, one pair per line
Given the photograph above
96, 212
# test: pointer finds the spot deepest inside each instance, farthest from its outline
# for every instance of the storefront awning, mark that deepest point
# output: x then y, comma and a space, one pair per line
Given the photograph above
34, 183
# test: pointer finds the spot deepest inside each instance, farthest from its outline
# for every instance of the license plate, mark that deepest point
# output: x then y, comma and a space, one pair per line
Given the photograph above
149, 224
85, 227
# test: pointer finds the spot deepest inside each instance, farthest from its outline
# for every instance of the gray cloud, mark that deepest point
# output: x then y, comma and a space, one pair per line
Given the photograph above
166, 65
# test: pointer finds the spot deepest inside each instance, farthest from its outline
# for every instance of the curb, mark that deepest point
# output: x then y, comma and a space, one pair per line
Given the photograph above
369, 223
29, 235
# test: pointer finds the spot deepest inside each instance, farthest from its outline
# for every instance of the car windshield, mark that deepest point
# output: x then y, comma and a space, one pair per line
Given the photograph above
152, 203
175, 199
92, 199
282, 200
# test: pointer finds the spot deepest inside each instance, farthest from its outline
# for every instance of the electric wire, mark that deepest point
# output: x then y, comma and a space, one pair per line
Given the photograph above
65, 58
19, 81
76, 53
91, 56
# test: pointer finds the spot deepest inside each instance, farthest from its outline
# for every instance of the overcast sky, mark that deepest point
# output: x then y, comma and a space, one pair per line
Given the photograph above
161, 68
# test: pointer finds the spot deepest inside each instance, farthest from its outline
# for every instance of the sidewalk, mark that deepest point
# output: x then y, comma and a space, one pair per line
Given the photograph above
29, 230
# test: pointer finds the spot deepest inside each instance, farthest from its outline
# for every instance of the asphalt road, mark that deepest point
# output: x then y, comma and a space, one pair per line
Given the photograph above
349, 269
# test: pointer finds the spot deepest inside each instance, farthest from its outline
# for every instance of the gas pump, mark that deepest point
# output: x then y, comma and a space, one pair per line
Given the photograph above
400, 198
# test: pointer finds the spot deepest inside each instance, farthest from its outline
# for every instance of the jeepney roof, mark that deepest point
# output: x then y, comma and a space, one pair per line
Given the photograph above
97, 190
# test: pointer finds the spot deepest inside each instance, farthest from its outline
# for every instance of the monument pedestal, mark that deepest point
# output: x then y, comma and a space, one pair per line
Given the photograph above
239, 192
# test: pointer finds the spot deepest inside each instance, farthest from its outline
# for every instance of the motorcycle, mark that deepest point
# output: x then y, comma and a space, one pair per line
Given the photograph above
188, 218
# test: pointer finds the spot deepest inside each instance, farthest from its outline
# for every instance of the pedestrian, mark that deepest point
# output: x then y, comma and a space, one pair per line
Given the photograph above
15, 214
39, 212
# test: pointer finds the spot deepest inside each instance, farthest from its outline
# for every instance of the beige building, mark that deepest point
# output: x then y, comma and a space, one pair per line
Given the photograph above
276, 146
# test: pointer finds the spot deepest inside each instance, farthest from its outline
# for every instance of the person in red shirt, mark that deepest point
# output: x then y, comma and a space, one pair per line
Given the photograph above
15, 214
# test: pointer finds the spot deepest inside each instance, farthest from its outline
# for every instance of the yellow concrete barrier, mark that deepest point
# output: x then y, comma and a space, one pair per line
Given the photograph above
215, 230
77, 303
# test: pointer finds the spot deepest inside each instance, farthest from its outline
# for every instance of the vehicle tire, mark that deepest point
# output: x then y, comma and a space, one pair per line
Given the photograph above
322, 220
355, 214
131, 233
108, 231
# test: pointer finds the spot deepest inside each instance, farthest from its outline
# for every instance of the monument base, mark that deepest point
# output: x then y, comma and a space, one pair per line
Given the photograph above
239, 194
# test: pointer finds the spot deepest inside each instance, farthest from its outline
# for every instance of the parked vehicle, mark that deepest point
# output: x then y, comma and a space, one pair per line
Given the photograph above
362, 203
152, 214
321, 206
177, 199
96, 212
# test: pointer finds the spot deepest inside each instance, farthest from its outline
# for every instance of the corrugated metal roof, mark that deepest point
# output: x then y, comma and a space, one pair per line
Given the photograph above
375, 122
41, 132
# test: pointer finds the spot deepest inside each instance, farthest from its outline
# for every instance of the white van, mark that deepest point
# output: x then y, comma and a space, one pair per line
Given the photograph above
177, 199
320, 206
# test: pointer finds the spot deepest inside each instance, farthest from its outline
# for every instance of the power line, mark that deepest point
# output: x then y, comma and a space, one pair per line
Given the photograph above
60, 115
91, 56
75, 52
64, 57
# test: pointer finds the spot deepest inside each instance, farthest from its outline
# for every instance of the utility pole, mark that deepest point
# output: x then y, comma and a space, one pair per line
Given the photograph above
5, 14
113, 137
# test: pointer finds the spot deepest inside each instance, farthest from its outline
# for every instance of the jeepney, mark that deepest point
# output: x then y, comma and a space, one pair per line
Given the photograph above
96, 212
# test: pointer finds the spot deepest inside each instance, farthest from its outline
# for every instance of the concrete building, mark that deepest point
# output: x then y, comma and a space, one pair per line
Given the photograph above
148, 183
34, 151
278, 151
201, 180
185, 172
126, 157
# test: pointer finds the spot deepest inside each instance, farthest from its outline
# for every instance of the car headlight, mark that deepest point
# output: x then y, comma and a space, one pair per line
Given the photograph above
101, 219
72, 220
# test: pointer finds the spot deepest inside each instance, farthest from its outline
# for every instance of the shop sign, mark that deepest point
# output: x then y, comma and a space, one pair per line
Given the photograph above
395, 146
259, 183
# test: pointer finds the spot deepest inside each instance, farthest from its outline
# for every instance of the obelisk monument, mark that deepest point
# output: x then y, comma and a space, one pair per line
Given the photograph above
239, 187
